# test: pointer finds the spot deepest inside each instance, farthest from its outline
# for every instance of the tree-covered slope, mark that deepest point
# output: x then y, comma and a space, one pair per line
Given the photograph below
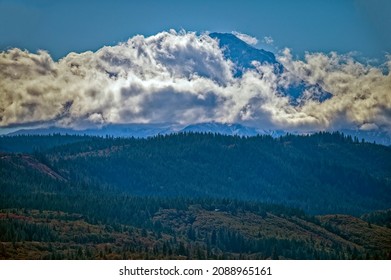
323, 173
70, 201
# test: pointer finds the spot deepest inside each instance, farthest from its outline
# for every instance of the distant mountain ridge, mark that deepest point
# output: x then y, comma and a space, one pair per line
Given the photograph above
114, 130
149, 130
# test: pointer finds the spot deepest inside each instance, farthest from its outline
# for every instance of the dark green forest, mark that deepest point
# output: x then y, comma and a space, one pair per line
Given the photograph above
194, 196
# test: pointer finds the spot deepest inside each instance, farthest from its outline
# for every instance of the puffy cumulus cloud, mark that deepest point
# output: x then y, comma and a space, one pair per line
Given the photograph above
361, 94
27, 90
246, 38
182, 77
167, 77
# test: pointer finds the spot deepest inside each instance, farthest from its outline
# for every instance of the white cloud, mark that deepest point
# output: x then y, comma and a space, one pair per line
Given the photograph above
369, 126
184, 77
361, 93
246, 38
268, 40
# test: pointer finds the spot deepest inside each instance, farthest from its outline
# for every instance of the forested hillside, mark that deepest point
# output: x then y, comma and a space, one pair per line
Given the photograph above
321, 174
194, 196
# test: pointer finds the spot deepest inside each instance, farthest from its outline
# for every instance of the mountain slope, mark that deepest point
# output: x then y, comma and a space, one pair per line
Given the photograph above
195, 196
28, 162
322, 173
243, 54
194, 232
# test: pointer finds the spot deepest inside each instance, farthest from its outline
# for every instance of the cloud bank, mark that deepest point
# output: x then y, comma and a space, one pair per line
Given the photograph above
182, 77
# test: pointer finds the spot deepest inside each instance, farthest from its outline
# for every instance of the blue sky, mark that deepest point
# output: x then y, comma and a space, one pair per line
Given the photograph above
302, 25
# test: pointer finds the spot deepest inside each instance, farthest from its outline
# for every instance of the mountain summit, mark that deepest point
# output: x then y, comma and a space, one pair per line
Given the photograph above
242, 54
